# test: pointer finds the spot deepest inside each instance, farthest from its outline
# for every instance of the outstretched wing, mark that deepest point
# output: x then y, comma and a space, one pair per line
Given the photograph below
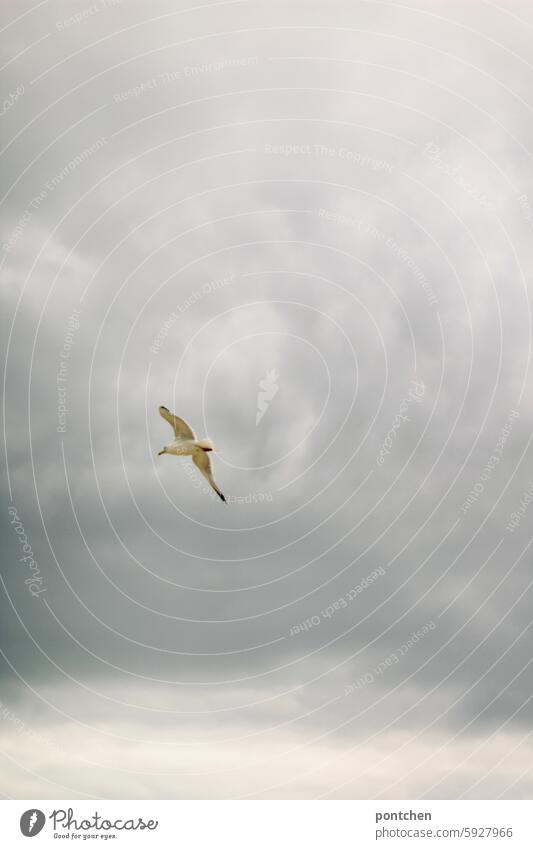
181, 428
202, 460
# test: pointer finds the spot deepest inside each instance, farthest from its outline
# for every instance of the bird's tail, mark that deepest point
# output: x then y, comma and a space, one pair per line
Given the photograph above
206, 444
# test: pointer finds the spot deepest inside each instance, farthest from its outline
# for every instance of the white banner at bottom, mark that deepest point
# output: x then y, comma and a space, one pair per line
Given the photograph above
267, 824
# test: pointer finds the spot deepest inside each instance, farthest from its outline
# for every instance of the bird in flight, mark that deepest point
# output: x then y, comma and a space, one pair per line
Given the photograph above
186, 444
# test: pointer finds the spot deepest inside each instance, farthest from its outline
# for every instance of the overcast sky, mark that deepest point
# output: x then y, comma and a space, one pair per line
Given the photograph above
305, 227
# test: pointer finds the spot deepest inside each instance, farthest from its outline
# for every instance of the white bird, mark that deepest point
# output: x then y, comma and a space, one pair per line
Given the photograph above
187, 445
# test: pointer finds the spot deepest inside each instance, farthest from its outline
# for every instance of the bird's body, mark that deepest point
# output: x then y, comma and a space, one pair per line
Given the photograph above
183, 448
186, 444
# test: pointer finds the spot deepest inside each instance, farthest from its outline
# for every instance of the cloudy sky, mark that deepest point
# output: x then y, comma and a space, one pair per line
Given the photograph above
306, 227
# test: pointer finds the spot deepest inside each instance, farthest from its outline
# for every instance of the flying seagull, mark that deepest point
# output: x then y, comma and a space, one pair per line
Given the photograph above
187, 445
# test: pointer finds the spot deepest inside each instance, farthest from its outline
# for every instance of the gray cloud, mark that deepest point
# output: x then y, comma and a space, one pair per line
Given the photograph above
193, 199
